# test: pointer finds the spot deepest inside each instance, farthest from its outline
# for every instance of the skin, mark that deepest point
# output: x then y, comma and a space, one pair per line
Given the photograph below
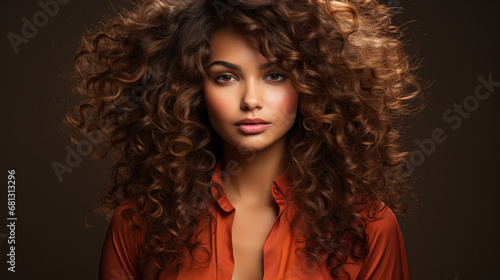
240, 84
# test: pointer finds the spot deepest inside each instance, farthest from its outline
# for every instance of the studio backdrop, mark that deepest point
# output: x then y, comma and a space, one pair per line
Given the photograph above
51, 186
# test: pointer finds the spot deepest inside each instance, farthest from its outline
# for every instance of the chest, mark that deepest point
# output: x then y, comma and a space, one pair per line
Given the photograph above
236, 245
251, 226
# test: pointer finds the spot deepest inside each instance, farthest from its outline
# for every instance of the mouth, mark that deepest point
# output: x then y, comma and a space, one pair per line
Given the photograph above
249, 121
252, 126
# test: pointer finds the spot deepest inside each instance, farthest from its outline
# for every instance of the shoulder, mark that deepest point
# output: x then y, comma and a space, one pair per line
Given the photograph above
127, 223
122, 245
386, 257
383, 223
127, 217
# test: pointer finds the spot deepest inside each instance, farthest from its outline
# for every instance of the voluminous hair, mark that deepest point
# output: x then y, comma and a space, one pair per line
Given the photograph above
141, 77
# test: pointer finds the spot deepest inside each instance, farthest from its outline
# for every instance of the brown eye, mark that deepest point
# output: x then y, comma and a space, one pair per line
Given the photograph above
275, 77
226, 78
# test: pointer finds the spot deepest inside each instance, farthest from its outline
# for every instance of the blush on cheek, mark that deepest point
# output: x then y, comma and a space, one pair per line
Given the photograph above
217, 107
287, 101
291, 101
214, 102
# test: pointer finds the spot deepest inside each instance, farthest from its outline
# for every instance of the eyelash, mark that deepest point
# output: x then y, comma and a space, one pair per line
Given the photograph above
218, 77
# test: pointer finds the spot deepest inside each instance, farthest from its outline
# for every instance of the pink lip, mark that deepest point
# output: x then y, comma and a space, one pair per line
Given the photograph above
252, 125
251, 121
252, 128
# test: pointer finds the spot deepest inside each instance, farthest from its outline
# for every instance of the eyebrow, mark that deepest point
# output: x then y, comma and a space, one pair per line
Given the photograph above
237, 67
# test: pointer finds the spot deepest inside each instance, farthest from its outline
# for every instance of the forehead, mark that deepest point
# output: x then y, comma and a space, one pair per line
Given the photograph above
229, 45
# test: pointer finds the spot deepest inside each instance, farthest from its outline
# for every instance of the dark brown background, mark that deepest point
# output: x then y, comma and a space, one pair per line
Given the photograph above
451, 233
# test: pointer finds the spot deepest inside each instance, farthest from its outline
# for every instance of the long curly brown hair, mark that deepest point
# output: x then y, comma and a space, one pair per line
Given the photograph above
141, 75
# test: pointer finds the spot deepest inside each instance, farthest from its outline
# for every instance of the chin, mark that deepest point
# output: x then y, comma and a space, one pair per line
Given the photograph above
249, 147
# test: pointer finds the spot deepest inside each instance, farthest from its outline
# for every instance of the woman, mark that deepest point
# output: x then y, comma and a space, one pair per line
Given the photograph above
253, 139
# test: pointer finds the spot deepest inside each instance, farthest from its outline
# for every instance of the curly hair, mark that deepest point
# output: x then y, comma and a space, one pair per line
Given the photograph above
141, 75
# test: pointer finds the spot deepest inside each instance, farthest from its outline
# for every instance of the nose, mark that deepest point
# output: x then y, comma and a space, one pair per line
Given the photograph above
252, 96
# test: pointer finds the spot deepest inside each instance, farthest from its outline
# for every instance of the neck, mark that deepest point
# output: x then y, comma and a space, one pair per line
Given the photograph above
249, 176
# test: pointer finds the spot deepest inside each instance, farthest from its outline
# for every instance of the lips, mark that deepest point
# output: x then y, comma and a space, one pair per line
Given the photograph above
251, 121
252, 126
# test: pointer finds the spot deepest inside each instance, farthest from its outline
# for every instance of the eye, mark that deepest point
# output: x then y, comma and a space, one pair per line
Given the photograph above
225, 78
275, 77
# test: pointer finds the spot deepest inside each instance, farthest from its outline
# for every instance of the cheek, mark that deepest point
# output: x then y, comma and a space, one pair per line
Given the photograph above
291, 101
217, 107
286, 102
215, 104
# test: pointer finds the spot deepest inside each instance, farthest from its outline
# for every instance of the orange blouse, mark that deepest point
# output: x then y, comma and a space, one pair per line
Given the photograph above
386, 258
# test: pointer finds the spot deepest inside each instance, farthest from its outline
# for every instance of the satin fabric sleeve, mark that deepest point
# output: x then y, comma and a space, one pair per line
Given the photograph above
386, 258
120, 252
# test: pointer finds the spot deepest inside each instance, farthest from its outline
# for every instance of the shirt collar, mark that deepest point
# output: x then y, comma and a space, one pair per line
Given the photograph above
279, 190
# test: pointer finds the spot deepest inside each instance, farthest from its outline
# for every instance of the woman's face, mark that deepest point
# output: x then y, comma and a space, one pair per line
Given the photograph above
250, 103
